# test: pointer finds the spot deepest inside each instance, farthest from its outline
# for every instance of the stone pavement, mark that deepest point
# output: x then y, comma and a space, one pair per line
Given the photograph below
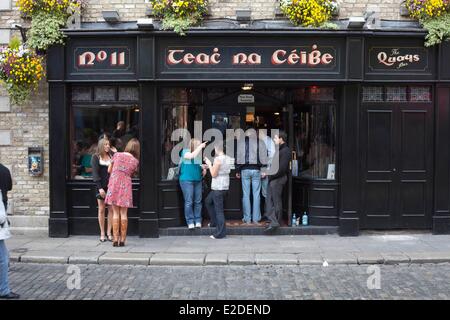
368, 248
116, 282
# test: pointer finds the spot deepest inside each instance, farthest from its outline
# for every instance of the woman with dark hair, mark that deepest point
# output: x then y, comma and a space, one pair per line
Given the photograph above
100, 163
220, 183
120, 193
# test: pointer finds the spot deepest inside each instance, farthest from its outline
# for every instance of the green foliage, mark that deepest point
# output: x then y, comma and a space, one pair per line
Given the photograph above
179, 15
329, 26
438, 29
14, 43
18, 94
45, 30
178, 24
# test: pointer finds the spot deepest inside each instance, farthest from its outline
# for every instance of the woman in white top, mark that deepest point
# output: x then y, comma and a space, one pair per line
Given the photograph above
220, 173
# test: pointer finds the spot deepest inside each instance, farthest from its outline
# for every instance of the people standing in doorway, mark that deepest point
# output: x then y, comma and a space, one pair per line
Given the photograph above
220, 183
5, 186
270, 151
100, 163
248, 170
277, 180
190, 177
120, 193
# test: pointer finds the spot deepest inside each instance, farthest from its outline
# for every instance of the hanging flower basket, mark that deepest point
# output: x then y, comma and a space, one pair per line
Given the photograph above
47, 18
434, 16
308, 13
179, 15
423, 9
20, 71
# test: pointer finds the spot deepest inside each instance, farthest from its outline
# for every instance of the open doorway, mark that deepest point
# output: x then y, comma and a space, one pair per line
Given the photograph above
262, 108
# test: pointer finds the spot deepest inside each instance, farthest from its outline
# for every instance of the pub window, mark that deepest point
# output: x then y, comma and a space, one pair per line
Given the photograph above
128, 94
420, 94
181, 107
91, 121
372, 94
105, 94
315, 133
396, 94
82, 94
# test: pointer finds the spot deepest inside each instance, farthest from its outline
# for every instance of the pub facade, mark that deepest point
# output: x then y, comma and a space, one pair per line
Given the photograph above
366, 112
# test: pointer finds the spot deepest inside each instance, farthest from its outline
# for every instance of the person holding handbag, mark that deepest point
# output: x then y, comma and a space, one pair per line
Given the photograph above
190, 178
120, 190
5, 291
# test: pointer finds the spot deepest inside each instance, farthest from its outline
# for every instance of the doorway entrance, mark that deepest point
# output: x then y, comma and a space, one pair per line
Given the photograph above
397, 160
243, 109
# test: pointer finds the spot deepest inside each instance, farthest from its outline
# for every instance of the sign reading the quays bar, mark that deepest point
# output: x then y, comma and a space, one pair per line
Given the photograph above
398, 59
394, 58
233, 59
115, 57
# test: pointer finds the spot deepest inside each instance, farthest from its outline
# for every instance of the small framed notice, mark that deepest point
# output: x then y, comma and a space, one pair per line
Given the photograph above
331, 171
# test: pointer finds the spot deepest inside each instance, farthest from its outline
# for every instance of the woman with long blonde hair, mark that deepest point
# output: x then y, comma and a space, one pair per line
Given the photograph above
100, 162
120, 192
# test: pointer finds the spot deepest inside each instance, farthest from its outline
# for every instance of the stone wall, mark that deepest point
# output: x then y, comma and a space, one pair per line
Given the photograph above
261, 9
22, 127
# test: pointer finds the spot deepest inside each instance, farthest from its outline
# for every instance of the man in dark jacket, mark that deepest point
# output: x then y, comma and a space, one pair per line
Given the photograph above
277, 180
5, 184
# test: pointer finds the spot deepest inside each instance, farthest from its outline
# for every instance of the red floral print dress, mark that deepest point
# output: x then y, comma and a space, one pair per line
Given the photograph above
120, 192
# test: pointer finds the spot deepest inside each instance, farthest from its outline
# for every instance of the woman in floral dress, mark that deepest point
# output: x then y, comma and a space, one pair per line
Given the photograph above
120, 192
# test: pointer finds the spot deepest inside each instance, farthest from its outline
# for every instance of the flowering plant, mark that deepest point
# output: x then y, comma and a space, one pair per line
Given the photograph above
179, 14
32, 7
434, 16
20, 70
421, 9
308, 13
48, 16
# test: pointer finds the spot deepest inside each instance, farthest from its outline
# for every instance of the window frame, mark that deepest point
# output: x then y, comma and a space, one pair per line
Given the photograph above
93, 104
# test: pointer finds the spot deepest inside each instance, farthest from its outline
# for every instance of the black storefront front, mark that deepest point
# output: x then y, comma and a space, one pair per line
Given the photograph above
367, 113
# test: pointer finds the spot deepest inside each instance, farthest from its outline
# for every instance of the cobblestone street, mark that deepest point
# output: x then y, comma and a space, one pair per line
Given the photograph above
49, 281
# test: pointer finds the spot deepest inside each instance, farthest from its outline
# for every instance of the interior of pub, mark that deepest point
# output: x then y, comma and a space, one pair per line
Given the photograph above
306, 113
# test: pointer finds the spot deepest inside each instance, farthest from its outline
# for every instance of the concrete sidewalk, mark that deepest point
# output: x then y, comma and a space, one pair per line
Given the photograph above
368, 248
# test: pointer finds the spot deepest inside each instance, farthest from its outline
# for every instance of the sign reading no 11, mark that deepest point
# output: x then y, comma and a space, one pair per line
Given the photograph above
89, 58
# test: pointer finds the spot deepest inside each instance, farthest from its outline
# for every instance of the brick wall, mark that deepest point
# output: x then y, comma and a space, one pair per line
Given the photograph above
131, 10
27, 125
261, 9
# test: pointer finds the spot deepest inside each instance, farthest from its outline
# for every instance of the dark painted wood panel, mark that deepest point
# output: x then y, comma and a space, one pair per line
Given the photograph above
89, 226
397, 171
414, 140
355, 58
350, 158
379, 140
441, 216
378, 204
319, 199
58, 223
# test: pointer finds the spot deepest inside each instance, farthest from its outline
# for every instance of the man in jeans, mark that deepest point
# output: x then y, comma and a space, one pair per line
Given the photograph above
277, 180
249, 170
